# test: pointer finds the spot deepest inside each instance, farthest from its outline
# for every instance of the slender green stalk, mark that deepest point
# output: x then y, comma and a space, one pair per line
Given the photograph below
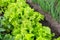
51, 6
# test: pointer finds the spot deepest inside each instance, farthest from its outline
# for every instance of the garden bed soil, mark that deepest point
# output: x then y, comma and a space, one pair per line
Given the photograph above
49, 21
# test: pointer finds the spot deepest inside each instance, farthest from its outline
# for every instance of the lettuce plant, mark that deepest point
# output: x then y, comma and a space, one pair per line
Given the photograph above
57, 38
22, 23
4, 4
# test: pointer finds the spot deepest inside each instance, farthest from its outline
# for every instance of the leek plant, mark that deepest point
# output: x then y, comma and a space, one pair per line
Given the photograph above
50, 6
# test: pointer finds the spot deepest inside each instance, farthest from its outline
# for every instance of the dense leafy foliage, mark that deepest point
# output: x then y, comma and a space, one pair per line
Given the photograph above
50, 6
57, 38
4, 4
20, 22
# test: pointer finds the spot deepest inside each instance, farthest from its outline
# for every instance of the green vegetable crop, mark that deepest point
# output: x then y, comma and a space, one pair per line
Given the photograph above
20, 22
50, 6
4, 4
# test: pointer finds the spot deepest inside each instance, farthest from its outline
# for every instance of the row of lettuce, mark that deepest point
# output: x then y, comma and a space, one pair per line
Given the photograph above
20, 22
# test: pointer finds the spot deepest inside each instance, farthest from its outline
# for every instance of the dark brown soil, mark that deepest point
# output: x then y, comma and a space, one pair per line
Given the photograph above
49, 21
